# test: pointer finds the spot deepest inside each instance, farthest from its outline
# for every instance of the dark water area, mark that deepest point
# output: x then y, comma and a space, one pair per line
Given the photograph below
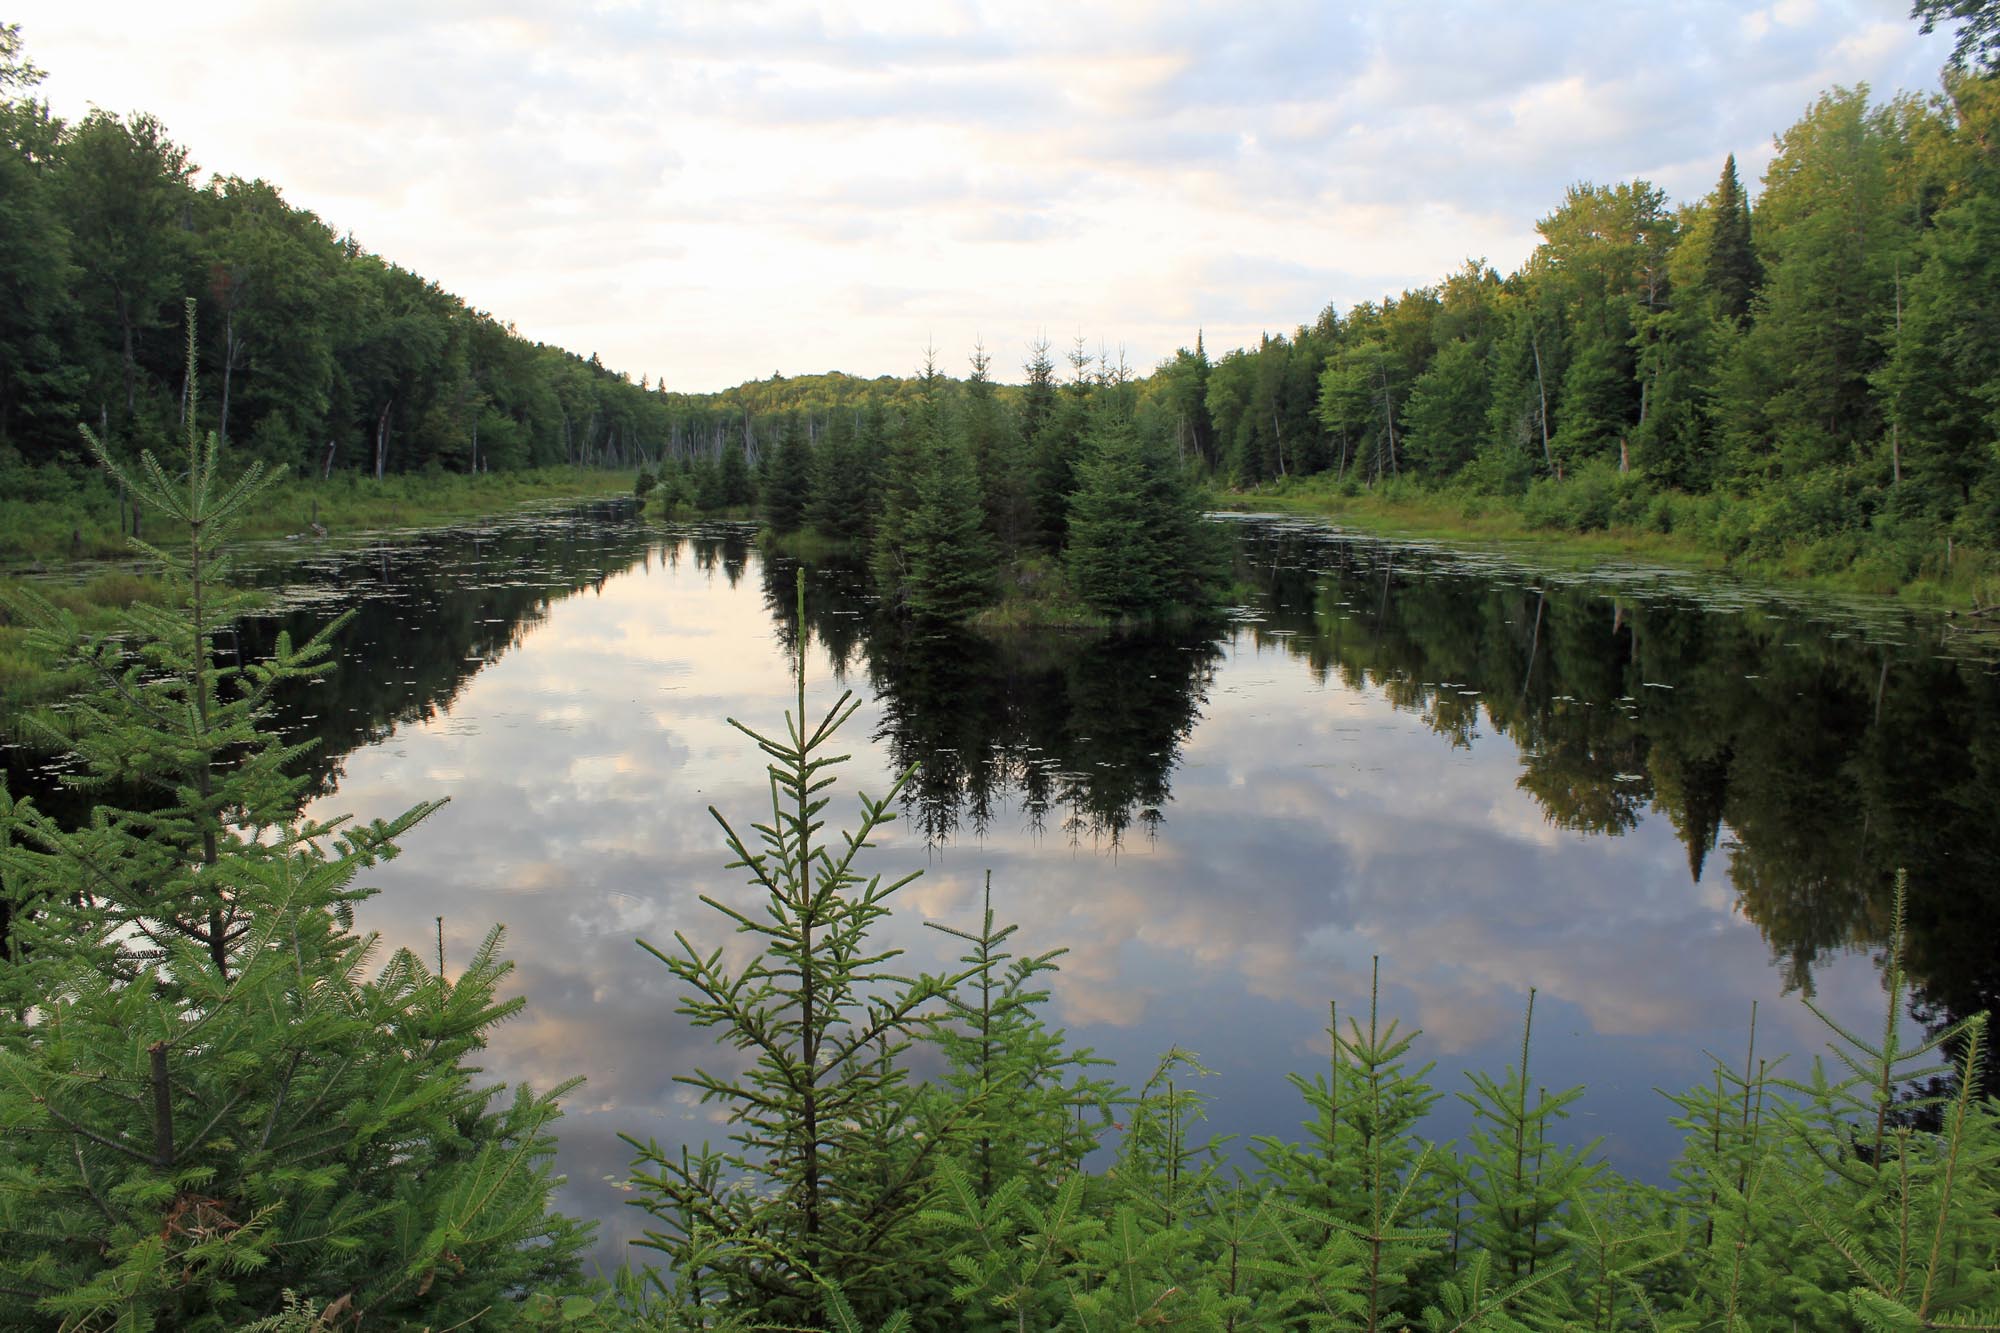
1656, 798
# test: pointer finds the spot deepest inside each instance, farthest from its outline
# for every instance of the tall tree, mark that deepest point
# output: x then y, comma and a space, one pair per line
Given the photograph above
128, 194
39, 377
1732, 273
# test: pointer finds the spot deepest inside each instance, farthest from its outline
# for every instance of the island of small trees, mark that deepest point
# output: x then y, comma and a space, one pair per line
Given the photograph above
1048, 504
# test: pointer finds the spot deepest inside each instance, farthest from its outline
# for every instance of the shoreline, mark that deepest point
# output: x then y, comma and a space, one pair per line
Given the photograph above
100, 581
1499, 525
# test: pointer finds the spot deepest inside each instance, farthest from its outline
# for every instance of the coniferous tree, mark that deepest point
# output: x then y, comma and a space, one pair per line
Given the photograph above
933, 552
734, 486
205, 1100
1362, 1177
825, 1117
1518, 1177
1137, 544
172, 722
1732, 274
788, 490
994, 445
1031, 1091
841, 496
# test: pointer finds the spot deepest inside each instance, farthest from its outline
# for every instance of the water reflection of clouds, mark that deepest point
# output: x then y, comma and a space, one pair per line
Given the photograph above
1313, 826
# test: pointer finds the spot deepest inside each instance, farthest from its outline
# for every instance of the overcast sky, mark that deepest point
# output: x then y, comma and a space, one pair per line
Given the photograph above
708, 193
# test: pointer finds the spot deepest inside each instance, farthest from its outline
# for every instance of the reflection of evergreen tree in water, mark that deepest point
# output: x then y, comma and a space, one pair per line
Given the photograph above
1832, 759
1083, 727
427, 614
838, 603
432, 611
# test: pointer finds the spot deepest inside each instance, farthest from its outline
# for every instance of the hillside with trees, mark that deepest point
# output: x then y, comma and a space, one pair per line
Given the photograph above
1807, 369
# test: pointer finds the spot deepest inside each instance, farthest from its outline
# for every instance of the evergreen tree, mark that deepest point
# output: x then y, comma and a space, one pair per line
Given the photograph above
1362, 1181
788, 491
950, 558
1732, 274
734, 486
1138, 546
1519, 1180
824, 1119
1028, 1092
841, 498
205, 1100
932, 551
995, 447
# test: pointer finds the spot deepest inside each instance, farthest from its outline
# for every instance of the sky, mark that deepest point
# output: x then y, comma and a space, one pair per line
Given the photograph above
707, 193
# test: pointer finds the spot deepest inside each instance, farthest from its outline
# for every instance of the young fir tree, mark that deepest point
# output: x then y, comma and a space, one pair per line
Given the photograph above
1137, 546
932, 553
1035, 1107
1732, 273
1909, 1217
205, 1099
837, 1143
788, 489
1363, 1175
1518, 1178
169, 724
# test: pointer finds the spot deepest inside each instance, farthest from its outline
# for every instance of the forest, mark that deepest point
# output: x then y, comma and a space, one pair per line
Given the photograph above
1806, 374
225, 1109
224, 1106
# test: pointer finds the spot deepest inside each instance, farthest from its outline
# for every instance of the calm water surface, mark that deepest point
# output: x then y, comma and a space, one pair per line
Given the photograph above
1657, 799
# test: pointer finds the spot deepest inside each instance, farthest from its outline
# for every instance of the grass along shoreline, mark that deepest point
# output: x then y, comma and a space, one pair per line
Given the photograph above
1951, 578
52, 523
49, 515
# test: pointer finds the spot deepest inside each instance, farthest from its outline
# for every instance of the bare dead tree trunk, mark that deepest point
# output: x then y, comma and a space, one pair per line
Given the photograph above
1388, 416
131, 362
1542, 387
229, 351
1895, 423
382, 438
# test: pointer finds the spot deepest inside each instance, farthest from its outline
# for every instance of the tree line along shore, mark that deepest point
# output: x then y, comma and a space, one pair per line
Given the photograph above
1799, 381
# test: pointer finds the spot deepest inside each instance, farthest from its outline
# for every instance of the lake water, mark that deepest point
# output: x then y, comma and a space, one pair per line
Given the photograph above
1654, 797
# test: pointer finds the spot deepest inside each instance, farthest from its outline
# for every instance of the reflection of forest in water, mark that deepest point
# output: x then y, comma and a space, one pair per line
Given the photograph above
1076, 732
1819, 756
425, 611
1816, 756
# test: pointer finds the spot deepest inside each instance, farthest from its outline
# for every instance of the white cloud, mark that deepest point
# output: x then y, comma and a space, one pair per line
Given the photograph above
716, 190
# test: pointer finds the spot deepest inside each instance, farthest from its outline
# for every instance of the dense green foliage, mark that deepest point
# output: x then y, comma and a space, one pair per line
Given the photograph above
1812, 375
214, 1106
965, 495
855, 1192
206, 1098
1839, 1199
320, 356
